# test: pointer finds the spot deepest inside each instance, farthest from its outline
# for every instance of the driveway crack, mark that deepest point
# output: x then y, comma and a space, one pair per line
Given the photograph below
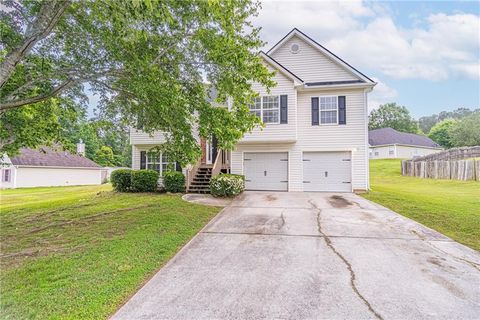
330, 245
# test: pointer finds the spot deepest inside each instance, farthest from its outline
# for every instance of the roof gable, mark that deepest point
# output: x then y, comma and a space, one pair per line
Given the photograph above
313, 62
289, 74
47, 157
386, 136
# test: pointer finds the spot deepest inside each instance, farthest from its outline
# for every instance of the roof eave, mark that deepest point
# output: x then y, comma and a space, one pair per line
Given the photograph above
364, 85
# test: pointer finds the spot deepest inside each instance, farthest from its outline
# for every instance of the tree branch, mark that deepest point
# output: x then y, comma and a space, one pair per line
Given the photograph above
21, 102
48, 17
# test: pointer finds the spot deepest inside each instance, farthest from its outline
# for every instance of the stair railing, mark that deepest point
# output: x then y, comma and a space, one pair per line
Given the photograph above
218, 164
192, 173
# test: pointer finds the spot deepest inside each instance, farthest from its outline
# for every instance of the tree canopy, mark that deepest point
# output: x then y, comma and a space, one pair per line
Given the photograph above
148, 60
440, 133
393, 116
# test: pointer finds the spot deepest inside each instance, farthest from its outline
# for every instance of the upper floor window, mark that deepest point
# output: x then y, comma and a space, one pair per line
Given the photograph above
328, 110
267, 108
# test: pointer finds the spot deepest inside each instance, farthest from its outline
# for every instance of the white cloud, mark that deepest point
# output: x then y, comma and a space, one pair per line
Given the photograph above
380, 95
368, 37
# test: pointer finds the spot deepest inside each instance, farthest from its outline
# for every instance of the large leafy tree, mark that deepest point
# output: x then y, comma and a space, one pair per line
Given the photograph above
391, 115
426, 123
440, 133
148, 60
466, 131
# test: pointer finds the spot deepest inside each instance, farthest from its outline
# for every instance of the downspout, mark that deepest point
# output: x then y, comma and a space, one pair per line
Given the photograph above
367, 160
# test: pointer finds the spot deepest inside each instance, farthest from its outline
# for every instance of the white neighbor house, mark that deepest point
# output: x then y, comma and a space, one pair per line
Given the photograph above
47, 168
316, 127
390, 143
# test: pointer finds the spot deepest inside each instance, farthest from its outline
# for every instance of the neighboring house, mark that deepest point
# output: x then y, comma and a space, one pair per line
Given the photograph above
315, 135
46, 167
390, 143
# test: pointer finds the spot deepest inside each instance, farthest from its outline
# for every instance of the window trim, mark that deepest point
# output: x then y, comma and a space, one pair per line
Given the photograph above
154, 163
7, 173
320, 111
261, 108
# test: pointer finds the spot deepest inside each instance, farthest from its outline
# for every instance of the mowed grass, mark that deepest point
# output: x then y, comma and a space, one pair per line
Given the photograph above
80, 252
451, 207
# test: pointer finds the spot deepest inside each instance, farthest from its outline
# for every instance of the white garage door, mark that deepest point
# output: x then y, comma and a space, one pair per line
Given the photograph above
327, 171
266, 171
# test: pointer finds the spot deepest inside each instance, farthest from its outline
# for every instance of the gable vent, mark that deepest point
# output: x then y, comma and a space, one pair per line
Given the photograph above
295, 48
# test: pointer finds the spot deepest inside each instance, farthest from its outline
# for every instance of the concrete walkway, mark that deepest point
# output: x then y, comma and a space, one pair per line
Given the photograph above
313, 256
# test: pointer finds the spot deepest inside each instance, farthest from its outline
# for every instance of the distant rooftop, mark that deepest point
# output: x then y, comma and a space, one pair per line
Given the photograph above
387, 136
47, 157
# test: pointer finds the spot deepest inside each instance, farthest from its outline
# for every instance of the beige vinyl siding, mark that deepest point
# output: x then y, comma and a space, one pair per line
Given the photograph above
408, 152
309, 63
400, 151
49, 177
140, 137
382, 152
348, 137
276, 132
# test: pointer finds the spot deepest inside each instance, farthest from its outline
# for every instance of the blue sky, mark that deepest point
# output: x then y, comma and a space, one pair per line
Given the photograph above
424, 54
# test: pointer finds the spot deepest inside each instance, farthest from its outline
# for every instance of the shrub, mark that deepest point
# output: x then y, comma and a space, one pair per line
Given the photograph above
174, 181
144, 180
227, 185
121, 180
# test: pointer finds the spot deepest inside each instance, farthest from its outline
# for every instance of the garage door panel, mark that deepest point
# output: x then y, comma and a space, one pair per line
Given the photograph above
266, 171
327, 171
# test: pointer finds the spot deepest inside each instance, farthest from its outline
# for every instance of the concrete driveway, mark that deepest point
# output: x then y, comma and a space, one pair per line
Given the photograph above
313, 256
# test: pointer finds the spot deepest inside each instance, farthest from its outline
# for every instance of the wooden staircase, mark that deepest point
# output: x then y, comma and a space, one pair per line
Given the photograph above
201, 180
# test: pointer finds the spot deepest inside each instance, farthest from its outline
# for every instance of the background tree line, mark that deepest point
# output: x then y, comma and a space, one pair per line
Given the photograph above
457, 128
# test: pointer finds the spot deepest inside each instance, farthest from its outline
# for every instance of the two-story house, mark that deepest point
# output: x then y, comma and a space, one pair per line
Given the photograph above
316, 127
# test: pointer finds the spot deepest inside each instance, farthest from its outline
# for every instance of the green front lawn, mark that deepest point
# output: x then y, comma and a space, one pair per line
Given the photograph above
80, 252
451, 207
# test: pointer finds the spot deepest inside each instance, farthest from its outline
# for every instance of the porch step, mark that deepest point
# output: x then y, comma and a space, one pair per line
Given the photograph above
201, 181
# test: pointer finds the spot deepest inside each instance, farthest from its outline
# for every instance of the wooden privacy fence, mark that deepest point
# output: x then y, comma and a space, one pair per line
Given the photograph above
445, 165
452, 154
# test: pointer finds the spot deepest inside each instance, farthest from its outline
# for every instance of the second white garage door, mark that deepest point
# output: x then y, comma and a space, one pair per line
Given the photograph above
327, 171
266, 171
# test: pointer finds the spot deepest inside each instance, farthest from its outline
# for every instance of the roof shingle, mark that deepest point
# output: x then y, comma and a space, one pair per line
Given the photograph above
391, 136
47, 157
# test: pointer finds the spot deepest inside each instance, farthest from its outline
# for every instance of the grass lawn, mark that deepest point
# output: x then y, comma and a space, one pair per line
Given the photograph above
80, 252
451, 207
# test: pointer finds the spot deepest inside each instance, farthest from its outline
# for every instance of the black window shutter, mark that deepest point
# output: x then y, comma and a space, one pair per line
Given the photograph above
143, 159
178, 167
284, 108
315, 114
342, 110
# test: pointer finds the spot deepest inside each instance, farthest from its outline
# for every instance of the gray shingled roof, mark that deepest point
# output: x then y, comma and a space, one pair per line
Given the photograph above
391, 136
46, 157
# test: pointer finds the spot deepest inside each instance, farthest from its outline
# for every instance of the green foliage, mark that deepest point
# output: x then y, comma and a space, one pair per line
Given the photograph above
31, 126
227, 185
393, 116
121, 180
144, 181
174, 181
466, 132
147, 61
426, 123
104, 157
440, 133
